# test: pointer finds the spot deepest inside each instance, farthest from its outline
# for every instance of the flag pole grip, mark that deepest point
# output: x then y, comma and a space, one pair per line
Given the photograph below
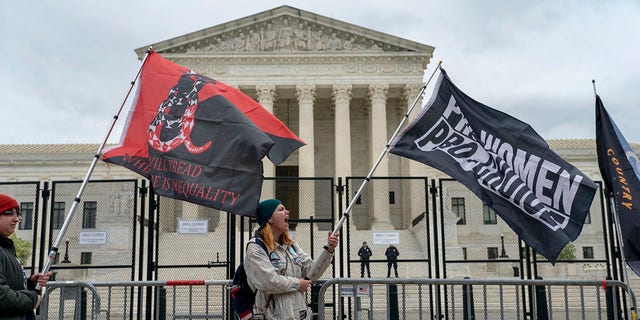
85, 181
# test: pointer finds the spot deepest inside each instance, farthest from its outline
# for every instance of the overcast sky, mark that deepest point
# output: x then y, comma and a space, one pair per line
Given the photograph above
66, 65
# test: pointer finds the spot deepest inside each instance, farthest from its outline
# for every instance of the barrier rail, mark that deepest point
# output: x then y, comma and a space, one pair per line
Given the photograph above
176, 299
409, 298
371, 298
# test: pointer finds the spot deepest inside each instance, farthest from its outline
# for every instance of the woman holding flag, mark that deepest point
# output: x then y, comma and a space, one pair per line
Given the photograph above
283, 275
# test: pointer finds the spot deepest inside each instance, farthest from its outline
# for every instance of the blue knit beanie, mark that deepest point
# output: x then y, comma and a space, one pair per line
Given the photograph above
265, 211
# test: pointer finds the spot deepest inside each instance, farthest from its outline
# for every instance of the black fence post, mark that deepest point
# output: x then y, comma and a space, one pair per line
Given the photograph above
610, 305
315, 290
162, 303
542, 310
469, 312
83, 304
613, 302
392, 300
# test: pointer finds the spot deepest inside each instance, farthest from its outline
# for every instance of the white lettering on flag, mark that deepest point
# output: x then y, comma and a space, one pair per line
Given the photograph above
544, 189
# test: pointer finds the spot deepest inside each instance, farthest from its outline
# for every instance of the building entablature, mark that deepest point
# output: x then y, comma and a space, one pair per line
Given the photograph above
288, 46
241, 71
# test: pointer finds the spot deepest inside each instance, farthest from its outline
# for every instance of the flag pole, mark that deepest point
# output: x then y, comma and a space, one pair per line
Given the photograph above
616, 219
384, 152
96, 157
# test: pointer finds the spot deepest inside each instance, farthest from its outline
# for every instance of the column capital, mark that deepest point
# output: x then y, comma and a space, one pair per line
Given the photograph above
378, 92
411, 90
341, 93
306, 92
266, 92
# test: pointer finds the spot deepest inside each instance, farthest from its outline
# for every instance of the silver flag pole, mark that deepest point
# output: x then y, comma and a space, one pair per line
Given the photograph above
96, 157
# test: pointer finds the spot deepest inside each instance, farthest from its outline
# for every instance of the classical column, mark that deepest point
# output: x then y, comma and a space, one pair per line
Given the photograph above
380, 188
341, 94
412, 168
266, 96
306, 94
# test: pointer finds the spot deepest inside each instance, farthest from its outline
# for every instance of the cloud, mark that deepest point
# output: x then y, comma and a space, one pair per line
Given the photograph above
67, 65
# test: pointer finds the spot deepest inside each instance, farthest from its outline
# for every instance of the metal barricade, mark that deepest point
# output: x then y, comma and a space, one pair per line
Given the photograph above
74, 292
177, 299
357, 298
413, 298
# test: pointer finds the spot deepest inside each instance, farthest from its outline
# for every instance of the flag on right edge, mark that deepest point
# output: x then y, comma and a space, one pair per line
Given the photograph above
619, 169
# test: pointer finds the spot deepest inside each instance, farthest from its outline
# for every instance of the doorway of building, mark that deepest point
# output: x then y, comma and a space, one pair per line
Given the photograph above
287, 190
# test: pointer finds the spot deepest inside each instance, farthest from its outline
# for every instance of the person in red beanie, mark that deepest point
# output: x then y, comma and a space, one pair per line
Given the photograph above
18, 296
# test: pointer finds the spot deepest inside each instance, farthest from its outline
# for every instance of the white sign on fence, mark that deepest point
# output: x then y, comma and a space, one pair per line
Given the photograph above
386, 237
92, 238
193, 226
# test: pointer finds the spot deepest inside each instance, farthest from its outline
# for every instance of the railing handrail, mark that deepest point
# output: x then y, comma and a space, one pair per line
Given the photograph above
53, 285
507, 281
327, 283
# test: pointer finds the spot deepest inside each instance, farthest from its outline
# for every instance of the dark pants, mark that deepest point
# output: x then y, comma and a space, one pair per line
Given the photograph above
364, 264
395, 268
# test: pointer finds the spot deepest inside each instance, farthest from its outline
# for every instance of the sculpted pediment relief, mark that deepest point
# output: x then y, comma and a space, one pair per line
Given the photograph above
288, 30
284, 34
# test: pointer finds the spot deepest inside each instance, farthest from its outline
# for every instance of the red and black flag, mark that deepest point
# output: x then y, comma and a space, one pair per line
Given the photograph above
503, 161
620, 170
199, 140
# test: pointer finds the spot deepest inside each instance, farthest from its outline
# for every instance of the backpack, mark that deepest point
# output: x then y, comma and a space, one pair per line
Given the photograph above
242, 296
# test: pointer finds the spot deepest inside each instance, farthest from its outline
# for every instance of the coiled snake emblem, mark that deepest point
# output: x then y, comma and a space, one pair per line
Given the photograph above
176, 114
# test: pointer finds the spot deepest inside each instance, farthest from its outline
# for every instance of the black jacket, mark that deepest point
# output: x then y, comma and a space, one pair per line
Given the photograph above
365, 253
18, 296
392, 253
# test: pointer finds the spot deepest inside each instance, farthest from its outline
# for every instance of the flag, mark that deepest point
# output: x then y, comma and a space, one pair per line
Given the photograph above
199, 140
503, 161
619, 168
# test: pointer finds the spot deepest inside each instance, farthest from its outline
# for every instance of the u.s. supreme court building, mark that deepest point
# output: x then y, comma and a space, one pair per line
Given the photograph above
341, 88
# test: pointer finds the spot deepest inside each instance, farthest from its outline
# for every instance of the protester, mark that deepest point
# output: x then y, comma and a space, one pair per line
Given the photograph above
282, 276
364, 253
18, 296
392, 254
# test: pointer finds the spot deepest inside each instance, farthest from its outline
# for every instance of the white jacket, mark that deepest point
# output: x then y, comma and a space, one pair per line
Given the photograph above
276, 278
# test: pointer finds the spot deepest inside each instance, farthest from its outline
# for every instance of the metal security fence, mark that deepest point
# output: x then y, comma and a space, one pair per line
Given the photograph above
475, 242
474, 299
402, 204
195, 242
188, 299
101, 241
122, 231
375, 298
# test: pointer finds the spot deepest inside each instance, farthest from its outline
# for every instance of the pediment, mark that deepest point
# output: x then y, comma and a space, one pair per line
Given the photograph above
286, 30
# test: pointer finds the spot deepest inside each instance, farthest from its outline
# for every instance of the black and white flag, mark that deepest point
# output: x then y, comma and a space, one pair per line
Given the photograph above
502, 160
